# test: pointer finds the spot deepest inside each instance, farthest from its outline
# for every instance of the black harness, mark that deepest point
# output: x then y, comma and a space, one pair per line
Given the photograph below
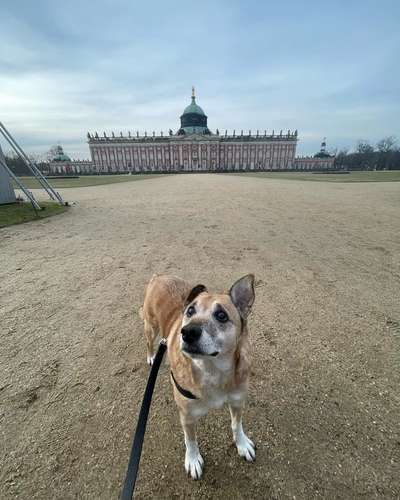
184, 392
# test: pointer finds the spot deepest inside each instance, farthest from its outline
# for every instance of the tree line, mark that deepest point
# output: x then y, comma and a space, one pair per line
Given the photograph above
385, 155
18, 166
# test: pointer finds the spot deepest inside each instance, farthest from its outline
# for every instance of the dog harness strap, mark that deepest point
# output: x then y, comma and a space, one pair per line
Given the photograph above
183, 391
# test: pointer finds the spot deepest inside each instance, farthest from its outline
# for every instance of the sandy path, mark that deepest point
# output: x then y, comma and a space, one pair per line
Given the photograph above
325, 398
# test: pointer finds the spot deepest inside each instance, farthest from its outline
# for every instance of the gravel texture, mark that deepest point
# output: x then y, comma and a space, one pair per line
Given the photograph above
325, 396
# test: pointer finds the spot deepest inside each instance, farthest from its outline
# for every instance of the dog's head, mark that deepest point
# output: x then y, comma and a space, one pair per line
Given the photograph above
212, 323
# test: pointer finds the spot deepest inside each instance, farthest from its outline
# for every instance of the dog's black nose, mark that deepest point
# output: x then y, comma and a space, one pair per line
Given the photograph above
191, 333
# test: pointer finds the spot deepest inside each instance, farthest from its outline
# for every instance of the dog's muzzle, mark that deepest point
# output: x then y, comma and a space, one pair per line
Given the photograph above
190, 336
191, 333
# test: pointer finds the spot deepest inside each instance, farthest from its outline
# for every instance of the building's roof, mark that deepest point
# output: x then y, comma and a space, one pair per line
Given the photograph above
159, 139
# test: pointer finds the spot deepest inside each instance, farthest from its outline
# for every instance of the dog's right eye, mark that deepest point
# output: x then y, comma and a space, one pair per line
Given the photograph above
221, 316
190, 311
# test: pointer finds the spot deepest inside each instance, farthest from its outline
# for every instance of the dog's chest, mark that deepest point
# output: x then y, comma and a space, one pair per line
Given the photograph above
215, 392
212, 401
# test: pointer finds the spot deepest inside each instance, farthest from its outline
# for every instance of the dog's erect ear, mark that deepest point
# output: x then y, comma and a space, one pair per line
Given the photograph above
194, 292
242, 294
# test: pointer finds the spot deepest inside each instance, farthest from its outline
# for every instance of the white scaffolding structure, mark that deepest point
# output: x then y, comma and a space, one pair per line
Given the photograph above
7, 193
37, 174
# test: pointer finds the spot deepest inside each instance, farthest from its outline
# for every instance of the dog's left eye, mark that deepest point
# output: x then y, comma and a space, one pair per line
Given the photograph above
191, 310
221, 316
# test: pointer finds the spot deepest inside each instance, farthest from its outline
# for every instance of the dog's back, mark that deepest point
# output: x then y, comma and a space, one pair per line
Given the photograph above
164, 301
164, 296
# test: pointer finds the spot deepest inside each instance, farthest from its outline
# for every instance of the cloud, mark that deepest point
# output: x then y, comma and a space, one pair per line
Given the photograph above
69, 69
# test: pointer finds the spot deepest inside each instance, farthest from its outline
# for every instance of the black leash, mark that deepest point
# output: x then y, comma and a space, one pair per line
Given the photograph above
136, 451
183, 391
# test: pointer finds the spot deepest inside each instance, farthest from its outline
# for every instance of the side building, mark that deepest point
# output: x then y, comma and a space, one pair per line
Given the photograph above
61, 164
320, 161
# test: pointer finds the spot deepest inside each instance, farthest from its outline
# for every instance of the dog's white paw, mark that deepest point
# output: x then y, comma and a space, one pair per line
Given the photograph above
245, 447
150, 360
194, 464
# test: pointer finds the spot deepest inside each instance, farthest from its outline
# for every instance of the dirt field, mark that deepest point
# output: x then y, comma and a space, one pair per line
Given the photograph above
99, 180
325, 395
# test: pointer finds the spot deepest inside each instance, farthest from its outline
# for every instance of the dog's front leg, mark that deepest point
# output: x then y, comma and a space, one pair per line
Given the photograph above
193, 460
244, 445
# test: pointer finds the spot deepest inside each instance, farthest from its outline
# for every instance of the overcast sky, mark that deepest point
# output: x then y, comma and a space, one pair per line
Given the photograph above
325, 68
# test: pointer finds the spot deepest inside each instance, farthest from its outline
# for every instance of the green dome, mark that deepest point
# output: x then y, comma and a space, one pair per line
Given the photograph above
62, 158
193, 108
193, 119
60, 155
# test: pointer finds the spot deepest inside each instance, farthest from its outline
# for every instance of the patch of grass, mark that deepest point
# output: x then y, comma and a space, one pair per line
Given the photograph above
87, 180
379, 176
17, 213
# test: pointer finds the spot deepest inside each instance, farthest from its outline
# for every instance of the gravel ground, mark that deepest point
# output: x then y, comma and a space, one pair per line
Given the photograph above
324, 400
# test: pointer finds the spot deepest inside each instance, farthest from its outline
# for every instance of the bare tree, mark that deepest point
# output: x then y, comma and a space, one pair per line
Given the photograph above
341, 158
366, 154
16, 164
387, 153
364, 147
387, 144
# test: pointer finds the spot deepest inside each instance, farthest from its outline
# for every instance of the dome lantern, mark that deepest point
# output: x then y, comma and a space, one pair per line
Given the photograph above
322, 152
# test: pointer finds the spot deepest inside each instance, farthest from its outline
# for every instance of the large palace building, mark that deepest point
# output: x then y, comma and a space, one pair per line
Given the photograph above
194, 148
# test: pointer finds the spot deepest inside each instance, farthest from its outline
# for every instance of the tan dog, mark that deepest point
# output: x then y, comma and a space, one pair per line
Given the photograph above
207, 350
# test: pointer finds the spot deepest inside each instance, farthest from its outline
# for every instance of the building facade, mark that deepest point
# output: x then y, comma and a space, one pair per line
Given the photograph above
193, 148
193, 153
72, 167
